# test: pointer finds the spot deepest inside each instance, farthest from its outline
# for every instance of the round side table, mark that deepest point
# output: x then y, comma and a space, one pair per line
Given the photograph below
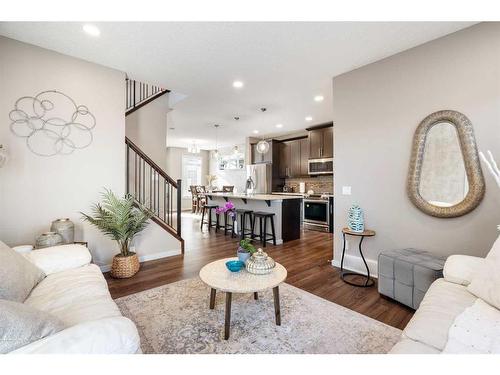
369, 281
217, 277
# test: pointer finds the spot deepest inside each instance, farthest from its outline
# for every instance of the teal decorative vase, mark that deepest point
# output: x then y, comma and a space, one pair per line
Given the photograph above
355, 219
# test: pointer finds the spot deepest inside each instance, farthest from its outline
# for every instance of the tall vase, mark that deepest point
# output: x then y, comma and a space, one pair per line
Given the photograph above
65, 228
355, 219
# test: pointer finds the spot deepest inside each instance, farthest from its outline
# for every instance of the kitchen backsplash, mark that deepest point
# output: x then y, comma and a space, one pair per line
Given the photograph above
320, 184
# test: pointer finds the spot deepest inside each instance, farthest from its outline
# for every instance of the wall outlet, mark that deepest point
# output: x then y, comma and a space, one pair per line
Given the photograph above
346, 190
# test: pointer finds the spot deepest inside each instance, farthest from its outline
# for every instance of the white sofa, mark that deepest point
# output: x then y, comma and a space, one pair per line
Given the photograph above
447, 298
76, 292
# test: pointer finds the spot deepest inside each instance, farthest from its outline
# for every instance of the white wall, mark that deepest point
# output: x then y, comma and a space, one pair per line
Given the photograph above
376, 111
174, 168
35, 190
236, 178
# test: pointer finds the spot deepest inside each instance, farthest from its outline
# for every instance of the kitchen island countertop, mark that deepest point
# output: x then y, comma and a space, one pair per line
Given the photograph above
259, 197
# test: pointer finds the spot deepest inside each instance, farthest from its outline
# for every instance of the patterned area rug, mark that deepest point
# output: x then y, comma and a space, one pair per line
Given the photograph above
175, 318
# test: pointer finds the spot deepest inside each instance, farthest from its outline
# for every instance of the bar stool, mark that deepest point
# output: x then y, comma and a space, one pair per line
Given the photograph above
262, 236
242, 213
228, 226
208, 207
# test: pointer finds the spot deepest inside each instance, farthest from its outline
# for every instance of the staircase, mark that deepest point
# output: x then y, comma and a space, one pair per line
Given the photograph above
138, 94
145, 180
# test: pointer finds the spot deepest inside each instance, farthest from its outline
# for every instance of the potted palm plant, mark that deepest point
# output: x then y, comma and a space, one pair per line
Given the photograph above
121, 219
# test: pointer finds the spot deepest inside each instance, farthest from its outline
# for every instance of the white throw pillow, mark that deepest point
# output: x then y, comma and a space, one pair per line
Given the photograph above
485, 283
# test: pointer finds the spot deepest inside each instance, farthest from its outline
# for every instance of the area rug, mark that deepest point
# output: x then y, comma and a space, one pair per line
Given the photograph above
176, 318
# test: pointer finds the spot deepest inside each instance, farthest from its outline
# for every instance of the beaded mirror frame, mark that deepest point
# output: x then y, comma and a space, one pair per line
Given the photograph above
472, 165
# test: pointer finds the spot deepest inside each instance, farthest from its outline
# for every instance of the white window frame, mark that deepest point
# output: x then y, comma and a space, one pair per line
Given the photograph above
194, 163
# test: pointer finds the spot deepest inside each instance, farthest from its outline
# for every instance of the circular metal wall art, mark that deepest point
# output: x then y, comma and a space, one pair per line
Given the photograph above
52, 123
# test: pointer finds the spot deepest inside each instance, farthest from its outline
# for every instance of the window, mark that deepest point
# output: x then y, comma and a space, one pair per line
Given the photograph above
191, 173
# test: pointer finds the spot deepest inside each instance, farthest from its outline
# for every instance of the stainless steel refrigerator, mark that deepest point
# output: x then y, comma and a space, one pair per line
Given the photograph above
262, 177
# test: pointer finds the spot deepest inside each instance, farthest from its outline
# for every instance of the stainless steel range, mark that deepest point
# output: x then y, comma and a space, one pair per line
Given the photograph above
318, 212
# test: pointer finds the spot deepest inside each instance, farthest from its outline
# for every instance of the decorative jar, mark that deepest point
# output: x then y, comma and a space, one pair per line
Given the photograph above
355, 219
48, 239
65, 228
260, 263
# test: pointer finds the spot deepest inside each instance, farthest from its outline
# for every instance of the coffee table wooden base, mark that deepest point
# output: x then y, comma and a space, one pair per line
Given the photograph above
229, 297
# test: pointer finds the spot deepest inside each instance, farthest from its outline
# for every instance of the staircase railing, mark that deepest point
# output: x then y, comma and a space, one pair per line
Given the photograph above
153, 188
138, 94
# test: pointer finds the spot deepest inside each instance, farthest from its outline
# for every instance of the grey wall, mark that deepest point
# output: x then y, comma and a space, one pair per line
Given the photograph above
147, 128
376, 111
35, 190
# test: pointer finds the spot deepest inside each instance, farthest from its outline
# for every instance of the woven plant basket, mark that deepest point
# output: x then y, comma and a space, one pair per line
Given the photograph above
124, 267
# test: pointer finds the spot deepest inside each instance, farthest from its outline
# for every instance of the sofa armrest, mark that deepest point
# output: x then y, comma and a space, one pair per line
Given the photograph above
116, 335
59, 258
459, 269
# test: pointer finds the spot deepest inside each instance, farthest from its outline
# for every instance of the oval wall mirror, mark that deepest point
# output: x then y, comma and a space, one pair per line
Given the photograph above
445, 177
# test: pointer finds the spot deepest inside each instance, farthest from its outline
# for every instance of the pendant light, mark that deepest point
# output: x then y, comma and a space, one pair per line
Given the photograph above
215, 153
263, 145
194, 148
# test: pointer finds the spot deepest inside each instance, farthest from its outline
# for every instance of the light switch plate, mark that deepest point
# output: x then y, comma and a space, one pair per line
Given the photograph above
346, 190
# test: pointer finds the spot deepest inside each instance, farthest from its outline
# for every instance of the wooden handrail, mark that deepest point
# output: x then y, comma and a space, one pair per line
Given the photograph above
152, 187
151, 163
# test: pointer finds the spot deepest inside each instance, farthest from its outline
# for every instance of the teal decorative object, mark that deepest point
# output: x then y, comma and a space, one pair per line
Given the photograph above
235, 265
355, 219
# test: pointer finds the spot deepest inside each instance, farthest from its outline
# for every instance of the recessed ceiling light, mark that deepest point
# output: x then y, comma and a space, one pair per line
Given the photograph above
237, 84
92, 30
309, 118
279, 125
255, 132
319, 98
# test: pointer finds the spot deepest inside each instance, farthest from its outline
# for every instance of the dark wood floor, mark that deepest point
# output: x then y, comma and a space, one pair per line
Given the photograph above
307, 261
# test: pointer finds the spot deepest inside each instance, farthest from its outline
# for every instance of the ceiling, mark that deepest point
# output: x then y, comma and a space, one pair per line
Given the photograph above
283, 65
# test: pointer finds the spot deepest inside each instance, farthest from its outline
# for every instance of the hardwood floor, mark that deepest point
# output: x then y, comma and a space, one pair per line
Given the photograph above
307, 261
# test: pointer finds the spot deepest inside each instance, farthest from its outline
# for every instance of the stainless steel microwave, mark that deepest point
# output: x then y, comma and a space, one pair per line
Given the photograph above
320, 166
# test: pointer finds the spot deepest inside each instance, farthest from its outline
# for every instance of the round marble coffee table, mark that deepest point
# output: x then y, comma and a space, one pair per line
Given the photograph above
218, 277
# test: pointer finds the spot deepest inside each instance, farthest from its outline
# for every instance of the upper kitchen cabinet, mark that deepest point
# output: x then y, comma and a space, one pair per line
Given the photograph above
266, 158
293, 158
321, 142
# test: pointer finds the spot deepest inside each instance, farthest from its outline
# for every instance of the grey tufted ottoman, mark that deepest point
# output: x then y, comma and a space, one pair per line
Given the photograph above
405, 275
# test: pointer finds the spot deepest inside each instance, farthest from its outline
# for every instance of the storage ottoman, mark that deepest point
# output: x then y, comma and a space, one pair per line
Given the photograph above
405, 275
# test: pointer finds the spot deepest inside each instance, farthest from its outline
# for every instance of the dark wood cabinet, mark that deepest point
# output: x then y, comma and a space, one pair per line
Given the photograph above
304, 157
293, 158
321, 143
327, 151
284, 159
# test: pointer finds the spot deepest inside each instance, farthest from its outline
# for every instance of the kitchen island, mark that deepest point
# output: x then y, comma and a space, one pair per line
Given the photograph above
286, 209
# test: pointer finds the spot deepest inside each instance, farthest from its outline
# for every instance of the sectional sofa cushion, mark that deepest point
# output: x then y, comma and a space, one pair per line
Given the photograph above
22, 324
407, 346
18, 275
485, 282
442, 303
75, 296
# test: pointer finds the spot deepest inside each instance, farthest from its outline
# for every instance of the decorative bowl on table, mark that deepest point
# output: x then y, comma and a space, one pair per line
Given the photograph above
260, 263
235, 265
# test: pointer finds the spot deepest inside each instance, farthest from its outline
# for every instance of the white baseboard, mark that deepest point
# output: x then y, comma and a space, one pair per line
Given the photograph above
144, 258
355, 263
